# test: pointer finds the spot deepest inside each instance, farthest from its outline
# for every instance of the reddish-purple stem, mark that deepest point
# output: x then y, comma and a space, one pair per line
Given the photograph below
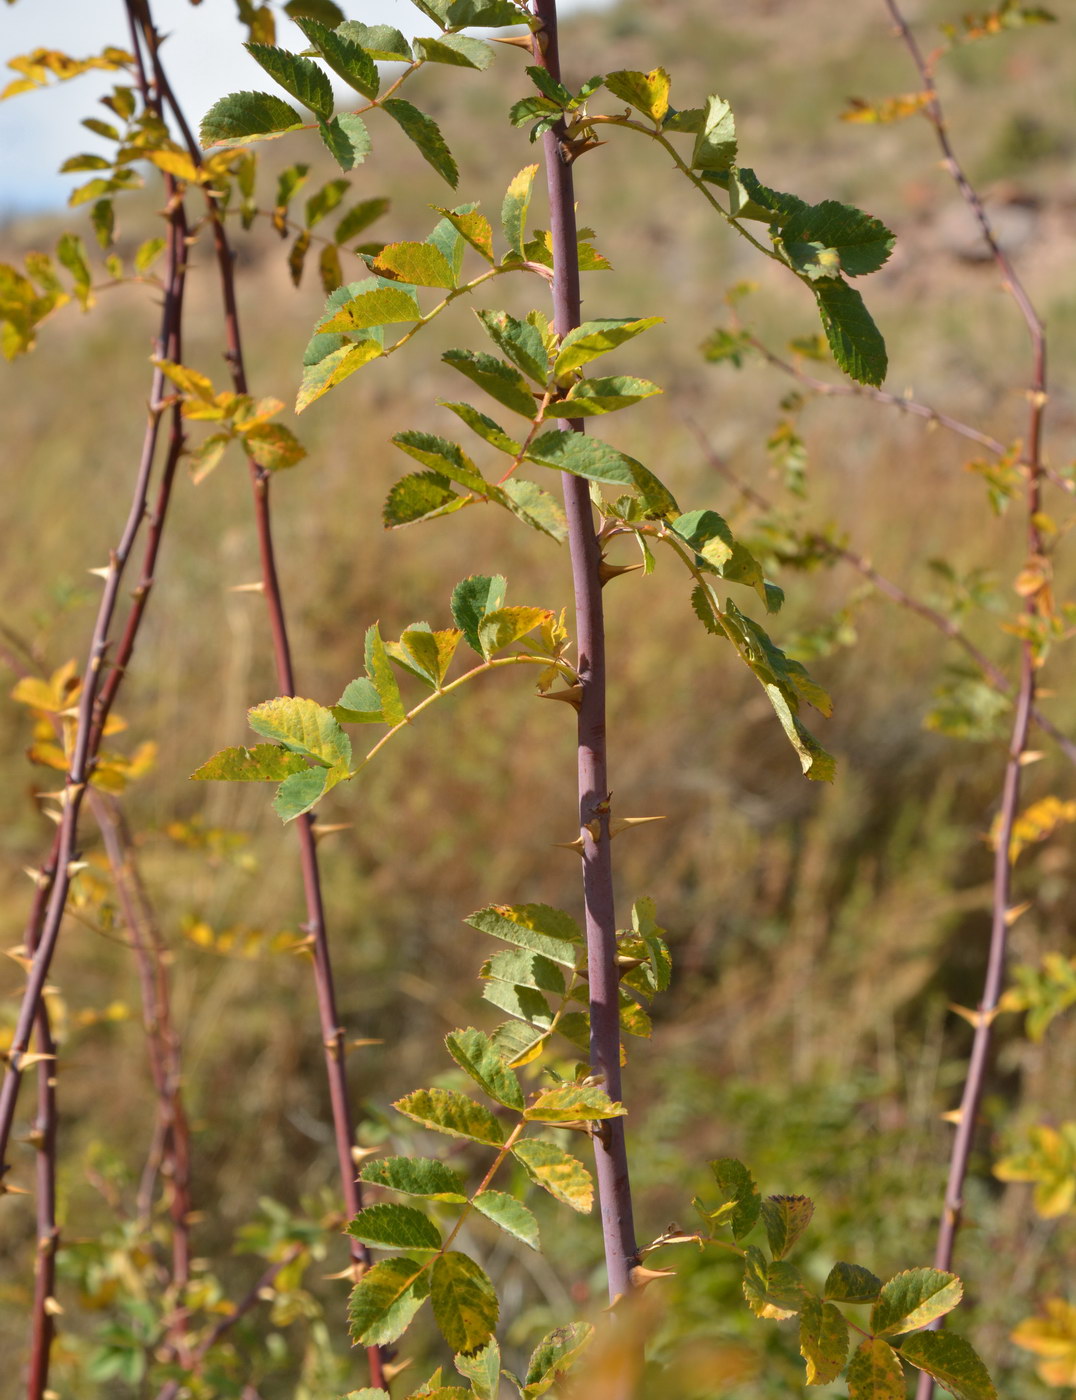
610, 1151
1025, 699
332, 1032
170, 1155
43, 1137
95, 701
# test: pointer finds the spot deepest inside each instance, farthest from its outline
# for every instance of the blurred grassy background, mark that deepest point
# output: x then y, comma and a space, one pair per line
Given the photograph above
819, 935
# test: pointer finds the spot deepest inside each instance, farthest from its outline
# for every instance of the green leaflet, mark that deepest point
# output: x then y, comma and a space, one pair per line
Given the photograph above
301, 791
717, 550
952, 1362
500, 628
568, 1103
464, 1301
385, 1300
772, 1290
521, 342
456, 49
446, 237
715, 141
518, 1041
379, 40
474, 1053
594, 396
536, 507
359, 217
558, 1172
537, 927
646, 92
333, 369
319, 205
741, 1202
514, 207
483, 1370
395, 1227
851, 1283
472, 226
853, 337
420, 496
421, 264
502, 382
379, 307
823, 1340
785, 1219
424, 132
345, 57
247, 116
472, 598
384, 680
346, 139
486, 428
300, 77
875, 1372
305, 728
429, 654
553, 1355
443, 456
524, 1003
778, 207
860, 243
417, 1176
446, 1111
589, 457
913, 1299
526, 969
784, 681
594, 338
265, 763
487, 14
511, 1215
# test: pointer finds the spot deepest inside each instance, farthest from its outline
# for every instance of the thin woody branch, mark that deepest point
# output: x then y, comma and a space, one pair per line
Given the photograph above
1038, 610
861, 563
333, 1034
610, 1152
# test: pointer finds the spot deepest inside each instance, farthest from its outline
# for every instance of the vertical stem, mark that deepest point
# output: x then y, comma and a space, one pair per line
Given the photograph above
333, 1034
43, 1137
1039, 607
610, 1151
96, 698
170, 1155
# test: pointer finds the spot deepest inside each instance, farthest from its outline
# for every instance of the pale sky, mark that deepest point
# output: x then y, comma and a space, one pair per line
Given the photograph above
40, 129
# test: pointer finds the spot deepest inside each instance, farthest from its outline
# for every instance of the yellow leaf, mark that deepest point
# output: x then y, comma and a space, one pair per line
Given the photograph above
1052, 1337
177, 163
187, 381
